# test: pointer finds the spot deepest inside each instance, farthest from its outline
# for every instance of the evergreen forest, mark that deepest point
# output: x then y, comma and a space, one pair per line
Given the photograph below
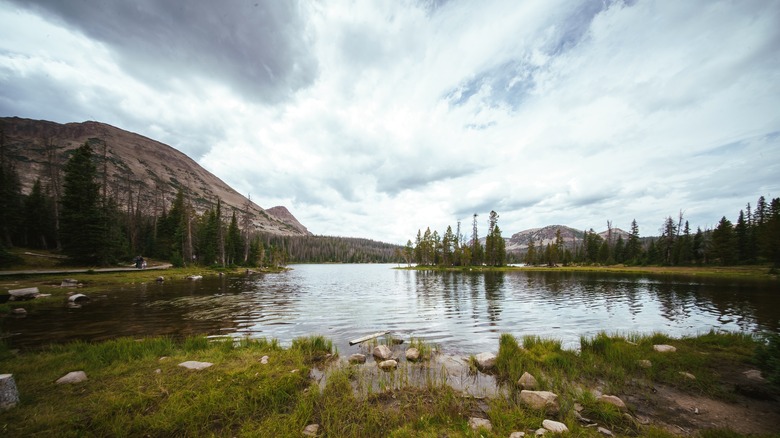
75, 214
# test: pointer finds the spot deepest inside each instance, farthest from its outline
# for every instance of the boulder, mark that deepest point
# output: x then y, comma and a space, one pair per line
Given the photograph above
73, 377
540, 400
77, 298
517, 435
554, 426
613, 400
160, 279
540, 431
412, 354
480, 423
194, 277
311, 430
26, 293
527, 381
9, 395
69, 282
754, 375
264, 360
357, 358
661, 348
485, 361
382, 352
19, 311
388, 365
195, 365
644, 363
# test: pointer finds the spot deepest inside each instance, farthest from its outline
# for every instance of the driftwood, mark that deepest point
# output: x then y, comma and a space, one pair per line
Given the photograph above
367, 337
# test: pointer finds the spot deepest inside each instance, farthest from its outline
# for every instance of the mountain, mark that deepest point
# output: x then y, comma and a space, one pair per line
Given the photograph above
138, 172
518, 243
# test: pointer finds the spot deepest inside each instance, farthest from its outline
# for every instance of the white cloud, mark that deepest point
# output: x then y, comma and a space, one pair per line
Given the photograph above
548, 112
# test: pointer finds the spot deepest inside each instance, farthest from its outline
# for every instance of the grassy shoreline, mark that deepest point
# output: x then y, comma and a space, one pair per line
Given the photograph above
750, 273
137, 388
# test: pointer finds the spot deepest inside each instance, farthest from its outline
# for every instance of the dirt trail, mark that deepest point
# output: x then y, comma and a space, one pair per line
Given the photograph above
80, 270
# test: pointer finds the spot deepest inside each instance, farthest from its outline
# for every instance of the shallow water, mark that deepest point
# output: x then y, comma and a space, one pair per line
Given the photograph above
463, 313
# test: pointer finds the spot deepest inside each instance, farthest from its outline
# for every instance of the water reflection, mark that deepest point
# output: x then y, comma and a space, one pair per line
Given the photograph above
463, 312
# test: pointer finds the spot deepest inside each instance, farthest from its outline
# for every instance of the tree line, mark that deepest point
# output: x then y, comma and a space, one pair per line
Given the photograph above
753, 239
452, 249
74, 213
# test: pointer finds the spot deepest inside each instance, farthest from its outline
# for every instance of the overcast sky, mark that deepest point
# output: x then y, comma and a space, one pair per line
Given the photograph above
377, 118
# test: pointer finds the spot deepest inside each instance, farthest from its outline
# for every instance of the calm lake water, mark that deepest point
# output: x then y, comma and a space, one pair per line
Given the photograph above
463, 313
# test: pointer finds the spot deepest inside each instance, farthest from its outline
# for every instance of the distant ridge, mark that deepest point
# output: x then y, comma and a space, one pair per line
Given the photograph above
519, 241
139, 172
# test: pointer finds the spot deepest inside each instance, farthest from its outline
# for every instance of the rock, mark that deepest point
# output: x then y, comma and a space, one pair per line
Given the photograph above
26, 293
541, 431
687, 375
160, 279
644, 363
73, 377
357, 358
517, 435
76, 298
382, 352
540, 400
311, 430
19, 311
388, 365
163, 358
661, 348
412, 354
605, 432
158, 371
194, 277
754, 375
527, 381
69, 282
485, 361
613, 400
554, 426
480, 423
264, 360
195, 365
9, 395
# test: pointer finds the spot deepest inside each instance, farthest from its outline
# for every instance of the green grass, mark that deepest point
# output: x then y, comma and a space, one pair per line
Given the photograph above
136, 387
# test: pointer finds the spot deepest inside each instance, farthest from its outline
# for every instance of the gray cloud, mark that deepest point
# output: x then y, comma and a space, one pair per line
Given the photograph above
258, 48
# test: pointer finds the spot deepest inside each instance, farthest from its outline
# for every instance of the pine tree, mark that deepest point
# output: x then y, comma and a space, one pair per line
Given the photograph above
633, 247
723, 242
234, 244
82, 229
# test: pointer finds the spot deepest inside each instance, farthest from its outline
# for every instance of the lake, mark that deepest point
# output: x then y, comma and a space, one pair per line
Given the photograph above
463, 313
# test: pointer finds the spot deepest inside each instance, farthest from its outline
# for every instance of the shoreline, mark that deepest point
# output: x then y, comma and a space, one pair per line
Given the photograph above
138, 385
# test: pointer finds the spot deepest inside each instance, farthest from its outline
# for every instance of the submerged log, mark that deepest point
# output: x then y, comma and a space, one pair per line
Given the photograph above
367, 337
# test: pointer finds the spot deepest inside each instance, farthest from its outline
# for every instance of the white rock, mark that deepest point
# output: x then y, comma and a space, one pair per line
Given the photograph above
158, 371
517, 435
77, 297
485, 361
9, 394
25, 293
605, 432
382, 352
661, 348
412, 354
754, 375
73, 377
539, 399
480, 423
19, 311
644, 363
195, 365
388, 365
69, 282
613, 400
311, 430
527, 381
554, 426
264, 360
357, 358
541, 431
687, 375
195, 277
